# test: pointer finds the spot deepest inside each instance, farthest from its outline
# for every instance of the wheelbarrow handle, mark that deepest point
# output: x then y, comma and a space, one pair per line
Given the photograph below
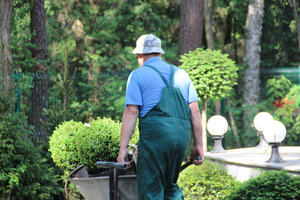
111, 165
190, 162
113, 176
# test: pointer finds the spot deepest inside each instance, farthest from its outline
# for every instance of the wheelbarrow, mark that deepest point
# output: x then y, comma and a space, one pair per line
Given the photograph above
111, 187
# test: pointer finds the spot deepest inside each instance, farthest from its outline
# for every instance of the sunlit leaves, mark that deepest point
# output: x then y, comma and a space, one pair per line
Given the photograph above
213, 73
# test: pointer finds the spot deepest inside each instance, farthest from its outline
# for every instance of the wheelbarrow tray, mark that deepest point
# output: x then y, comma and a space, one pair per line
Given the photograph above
97, 188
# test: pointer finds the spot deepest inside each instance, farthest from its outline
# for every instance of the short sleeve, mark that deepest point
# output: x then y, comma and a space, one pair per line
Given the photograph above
133, 92
192, 94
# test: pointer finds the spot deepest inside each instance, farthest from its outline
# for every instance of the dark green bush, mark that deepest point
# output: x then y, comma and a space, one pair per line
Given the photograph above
269, 185
282, 100
74, 143
24, 173
207, 182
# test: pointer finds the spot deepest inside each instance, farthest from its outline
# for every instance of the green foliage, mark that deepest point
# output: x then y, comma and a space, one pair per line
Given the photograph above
228, 34
20, 37
277, 87
84, 96
283, 101
7, 98
269, 185
7, 85
109, 92
213, 73
279, 48
111, 27
289, 114
103, 52
208, 182
74, 143
69, 105
107, 37
24, 173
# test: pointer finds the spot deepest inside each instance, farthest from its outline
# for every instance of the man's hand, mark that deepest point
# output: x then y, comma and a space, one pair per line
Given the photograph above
123, 156
198, 151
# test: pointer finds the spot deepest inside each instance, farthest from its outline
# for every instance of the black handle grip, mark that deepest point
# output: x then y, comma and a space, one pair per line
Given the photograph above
197, 158
111, 164
190, 162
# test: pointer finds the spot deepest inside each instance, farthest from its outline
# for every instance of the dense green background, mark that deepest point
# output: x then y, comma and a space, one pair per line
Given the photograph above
96, 57
89, 59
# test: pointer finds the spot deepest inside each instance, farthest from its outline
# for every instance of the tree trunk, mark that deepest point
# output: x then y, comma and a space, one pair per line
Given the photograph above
6, 65
191, 25
209, 38
252, 56
208, 24
204, 119
39, 52
297, 20
233, 126
190, 38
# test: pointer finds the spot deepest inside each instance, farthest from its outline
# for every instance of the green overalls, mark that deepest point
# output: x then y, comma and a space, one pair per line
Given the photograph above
165, 133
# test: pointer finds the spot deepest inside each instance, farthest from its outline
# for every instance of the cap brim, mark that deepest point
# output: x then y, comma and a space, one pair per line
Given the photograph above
148, 50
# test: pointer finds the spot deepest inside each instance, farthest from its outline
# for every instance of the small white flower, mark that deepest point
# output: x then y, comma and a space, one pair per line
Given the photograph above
86, 124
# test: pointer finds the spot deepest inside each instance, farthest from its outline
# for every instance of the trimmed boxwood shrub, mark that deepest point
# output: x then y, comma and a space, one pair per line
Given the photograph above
74, 143
269, 185
207, 182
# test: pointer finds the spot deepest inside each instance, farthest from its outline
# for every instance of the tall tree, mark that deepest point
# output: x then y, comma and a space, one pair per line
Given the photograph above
39, 52
6, 66
213, 74
39, 38
208, 23
190, 33
191, 25
252, 56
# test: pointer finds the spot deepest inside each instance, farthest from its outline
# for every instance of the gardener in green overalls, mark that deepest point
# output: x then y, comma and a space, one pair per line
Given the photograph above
166, 102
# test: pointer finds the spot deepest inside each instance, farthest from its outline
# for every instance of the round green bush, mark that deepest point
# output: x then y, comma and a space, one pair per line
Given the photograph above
206, 182
213, 73
269, 185
74, 143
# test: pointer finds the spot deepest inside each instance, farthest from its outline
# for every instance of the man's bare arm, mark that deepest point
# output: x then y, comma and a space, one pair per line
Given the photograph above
130, 116
197, 131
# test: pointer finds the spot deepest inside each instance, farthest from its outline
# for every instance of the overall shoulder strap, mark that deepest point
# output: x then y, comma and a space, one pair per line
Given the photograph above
172, 76
159, 73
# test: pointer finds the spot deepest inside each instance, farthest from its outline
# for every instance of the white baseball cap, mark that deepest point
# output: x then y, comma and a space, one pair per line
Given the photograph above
148, 43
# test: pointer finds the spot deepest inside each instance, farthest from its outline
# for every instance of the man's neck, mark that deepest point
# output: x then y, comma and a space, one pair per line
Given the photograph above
148, 56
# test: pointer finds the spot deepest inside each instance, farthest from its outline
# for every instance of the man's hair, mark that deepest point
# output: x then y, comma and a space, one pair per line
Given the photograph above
152, 54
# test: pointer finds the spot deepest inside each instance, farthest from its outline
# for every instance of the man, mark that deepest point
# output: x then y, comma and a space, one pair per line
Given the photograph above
166, 102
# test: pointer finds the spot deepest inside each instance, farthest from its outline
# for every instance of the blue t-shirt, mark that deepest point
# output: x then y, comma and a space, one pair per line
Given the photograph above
144, 85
